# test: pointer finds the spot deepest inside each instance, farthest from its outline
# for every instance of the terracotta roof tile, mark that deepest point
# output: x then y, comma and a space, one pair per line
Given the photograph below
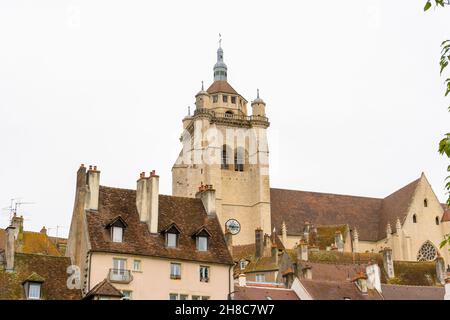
221, 86
396, 292
187, 213
258, 293
337, 290
33, 242
50, 269
104, 288
369, 215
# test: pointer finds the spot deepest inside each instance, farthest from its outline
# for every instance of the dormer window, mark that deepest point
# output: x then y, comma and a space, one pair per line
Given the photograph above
202, 243
172, 234
34, 291
242, 264
171, 240
33, 286
117, 227
117, 234
201, 239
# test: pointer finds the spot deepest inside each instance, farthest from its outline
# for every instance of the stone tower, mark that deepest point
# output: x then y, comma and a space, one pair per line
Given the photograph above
226, 147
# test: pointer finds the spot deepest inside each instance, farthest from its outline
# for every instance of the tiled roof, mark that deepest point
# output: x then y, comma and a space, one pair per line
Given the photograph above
337, 290
261, 264
396, 292
333, 257
221, 86
414, 273
32, 242
50, 269
369, 215
187, 213
104, 288
245, 251
258, 293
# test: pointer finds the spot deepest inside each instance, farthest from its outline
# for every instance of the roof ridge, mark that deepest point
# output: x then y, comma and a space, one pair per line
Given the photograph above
328, 193
41, 255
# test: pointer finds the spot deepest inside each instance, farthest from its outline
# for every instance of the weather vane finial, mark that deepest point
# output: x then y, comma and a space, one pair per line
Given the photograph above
202, 85
257, 93
220, 40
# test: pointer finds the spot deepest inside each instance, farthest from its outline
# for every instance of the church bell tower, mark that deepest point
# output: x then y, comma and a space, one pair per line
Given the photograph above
225, 147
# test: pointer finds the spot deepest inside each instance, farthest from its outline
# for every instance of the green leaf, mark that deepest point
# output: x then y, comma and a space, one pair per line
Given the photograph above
427, 6
443, 243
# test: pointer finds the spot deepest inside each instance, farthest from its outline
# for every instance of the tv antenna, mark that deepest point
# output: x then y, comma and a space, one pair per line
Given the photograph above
14, 207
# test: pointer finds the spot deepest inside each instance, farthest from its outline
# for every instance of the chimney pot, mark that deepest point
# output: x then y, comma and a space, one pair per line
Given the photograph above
90, 167
95, 168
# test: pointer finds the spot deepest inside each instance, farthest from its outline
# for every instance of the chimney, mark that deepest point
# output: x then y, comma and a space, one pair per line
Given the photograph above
229, 241
388, 263
440, 270
373, 277
93, 186
361, 282
43, 230
208, 196
242, 280
17, 223
259, 243
302, 251
307, 272
339, 241
147, 200
10, 248
274, 253
306, 232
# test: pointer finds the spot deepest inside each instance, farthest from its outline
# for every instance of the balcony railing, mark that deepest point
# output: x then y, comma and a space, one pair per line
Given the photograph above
231, 117
120, 275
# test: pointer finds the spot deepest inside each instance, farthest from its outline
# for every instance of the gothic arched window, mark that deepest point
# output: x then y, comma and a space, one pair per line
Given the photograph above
437, 220
427, 252
414, 218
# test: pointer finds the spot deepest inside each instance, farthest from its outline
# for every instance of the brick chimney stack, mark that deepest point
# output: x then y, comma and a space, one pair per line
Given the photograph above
147, 200
93, 188
259, 243
208, 196
43, 230
10, 248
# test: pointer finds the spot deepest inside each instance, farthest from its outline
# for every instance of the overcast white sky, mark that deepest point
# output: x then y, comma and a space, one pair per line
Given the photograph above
352, 89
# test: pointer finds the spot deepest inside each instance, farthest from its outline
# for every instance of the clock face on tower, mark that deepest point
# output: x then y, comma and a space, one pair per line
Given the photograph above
233, 225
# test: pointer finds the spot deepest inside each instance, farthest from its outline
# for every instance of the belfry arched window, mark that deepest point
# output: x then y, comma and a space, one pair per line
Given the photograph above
414, 218
427, 252
437, 220
425, 203
226, 152
239, 159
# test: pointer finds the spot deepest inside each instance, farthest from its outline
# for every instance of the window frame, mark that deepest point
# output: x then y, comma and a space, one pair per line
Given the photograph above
139, 262
177, 267
114, 234
205, 273
175, 295
31, 285
215, 98
130, 295
198, 238
168, 235
258, 276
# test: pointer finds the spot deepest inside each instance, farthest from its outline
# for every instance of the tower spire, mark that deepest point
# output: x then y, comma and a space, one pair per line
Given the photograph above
220, 68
